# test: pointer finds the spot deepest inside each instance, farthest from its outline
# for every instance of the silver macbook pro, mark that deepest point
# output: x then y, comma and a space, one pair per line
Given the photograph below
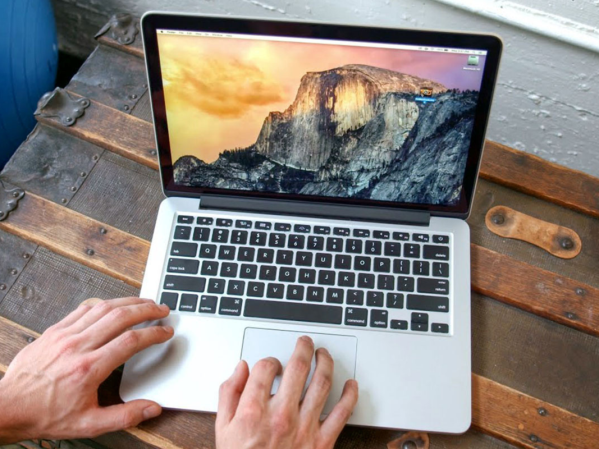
317, 181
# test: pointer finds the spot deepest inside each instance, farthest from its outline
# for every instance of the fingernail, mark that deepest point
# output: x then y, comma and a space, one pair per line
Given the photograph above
168, 329
306, 339
325, 350
151, 411
165, 307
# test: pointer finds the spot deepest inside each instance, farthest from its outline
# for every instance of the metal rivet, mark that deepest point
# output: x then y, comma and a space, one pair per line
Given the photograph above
498, 219
534, 438
77, 110
63, 200
570, 315
103, 231
15, 194
73, 189
2, 286
26, 256
95, 157
153, 152
30, 340
14, 271
566, 243
409, 445
143, 86
542, 411
90, 252
68, 119
83, 174
126, 107
132, 96
579, 291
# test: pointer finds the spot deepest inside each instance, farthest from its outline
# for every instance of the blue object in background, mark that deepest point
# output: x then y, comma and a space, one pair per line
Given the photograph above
28, 60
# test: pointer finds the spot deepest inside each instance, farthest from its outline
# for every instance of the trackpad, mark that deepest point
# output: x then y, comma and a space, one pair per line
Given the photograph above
261, 343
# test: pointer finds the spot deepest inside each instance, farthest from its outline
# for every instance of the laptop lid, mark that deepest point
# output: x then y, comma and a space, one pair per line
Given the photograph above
334, 114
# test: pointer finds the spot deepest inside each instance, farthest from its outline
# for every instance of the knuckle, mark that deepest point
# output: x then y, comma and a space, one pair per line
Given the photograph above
130, 339
323, 381
119, 313
267, 364
103, 307
67, 346
300, 365
81, 368
282, 422
251, 413
129, 419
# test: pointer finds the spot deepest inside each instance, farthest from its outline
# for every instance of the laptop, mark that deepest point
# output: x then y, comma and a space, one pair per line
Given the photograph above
317, 181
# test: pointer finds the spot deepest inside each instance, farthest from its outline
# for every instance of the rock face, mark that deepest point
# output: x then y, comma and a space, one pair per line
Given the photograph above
353, 131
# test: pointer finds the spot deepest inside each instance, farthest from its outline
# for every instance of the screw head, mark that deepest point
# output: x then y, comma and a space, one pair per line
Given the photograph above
77, 111
103, 231
26, 256
95, 157
14, 271
15, 194
68, 119
83, 174
90, 252
143, 86
126, 107
73, 189
579, 291
542, 411
570, 315
2, 286
132, 96
63, 200
30, 340
498, 219
534, 438
566, 243
153, 152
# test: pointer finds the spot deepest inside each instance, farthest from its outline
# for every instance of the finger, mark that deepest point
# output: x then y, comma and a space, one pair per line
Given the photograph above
76, 314
100, 309
230, 393
259, 384
320, 385
118, 351
334, 423
118, 417
296, 372
119, 319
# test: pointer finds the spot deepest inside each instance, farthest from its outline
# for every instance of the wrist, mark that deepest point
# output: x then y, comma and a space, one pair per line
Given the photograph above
12, 430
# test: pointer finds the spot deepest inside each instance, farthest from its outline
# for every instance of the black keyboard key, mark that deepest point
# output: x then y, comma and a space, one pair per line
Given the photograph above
401, 266
224, 222
420, 237
209, 268
216, 286
307, 276
208, 304
265, 255
440, 328
276, 240
411, 250
201, 234
182, 232
236, 287
263, 225
239, 237
230, 306
286, 227
256, 289
293, 311
342, 262
361, 233
189, 302
284, 257
435, 252
385, 282
405, 284
275, 291
296, 241
353, 246
315, 294
428, 303
228, 270
268, 273
355, 297
287, 274
419, 317
258, 238
335, 244
401, 236
185, 219
381, 235
304, 229
226, 252
322, 230
335, 295
246, 254
315, 243
362, 263
244, 224
420, 268
440, 269
379, 318
341, 231
204, 221
184, 249
375, 299
382, 265
170, 299
248, 271
436, 286
326, 277
373, 247
399, 324
444, 239
392, 249
220, 236
295, 292
420, 327
303, 259
346, 279
184, 283
323, 260
365, 280
356, 317
394, 300
207, 251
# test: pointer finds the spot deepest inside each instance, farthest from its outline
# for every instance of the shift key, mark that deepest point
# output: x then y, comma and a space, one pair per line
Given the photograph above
184, 283
428, 303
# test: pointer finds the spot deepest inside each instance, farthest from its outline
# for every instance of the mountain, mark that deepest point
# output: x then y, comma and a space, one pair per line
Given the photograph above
353, 131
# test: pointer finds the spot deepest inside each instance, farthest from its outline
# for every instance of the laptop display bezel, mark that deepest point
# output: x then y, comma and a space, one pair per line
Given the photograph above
151, 22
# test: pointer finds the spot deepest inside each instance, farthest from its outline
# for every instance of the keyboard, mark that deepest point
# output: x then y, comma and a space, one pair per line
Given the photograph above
287, 270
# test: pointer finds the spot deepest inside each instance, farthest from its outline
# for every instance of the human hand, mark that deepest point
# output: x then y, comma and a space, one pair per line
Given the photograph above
50, 389
250, 418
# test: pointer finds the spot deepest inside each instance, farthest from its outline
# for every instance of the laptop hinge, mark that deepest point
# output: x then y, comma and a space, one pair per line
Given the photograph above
320, 210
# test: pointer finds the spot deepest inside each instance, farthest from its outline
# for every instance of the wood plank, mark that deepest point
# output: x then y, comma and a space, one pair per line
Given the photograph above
497, 410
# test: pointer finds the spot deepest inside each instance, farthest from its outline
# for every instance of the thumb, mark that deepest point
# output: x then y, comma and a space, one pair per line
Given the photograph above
123, 416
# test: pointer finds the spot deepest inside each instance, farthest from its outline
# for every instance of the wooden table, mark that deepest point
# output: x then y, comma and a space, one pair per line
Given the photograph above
83, 227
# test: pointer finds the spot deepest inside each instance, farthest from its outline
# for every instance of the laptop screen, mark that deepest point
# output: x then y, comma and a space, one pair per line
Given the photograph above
319, 118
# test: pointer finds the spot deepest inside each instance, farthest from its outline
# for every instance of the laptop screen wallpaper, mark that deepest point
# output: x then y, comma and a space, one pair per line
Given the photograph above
290, 116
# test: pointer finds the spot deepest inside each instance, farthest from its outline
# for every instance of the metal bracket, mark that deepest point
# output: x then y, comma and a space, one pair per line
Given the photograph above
59, 104
123, 28
9, 200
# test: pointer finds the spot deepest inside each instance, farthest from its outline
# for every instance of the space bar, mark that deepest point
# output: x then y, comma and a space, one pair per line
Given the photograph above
293, 311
